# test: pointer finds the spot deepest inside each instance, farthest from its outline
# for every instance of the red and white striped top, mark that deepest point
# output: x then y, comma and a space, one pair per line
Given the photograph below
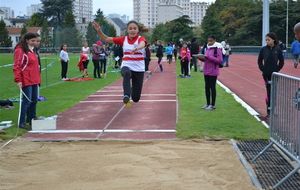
135, 61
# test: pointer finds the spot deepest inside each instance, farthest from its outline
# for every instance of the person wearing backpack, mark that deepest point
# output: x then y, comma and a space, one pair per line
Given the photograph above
212, 60
270, 59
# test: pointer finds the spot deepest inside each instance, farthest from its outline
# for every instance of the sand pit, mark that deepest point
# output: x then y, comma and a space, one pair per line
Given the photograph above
168, 165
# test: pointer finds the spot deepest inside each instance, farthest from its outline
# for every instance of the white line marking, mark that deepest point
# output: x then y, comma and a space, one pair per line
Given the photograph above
140, 131
110, 91
120, 95
114, 87
250, 110
118, 101
67, 131
108, 124
105, 131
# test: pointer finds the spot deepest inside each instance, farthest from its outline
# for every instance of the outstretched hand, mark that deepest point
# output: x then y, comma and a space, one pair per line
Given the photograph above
96, 26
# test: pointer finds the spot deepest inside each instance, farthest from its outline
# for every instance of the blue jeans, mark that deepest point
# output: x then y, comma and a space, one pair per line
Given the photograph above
28, 106
225, 60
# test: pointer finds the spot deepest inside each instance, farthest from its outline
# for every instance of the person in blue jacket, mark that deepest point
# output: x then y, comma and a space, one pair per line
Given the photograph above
169, 52
295, 50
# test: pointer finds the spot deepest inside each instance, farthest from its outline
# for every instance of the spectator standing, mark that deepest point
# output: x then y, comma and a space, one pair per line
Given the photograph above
270, 59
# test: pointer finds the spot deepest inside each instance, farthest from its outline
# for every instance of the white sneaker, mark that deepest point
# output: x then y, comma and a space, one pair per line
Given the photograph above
205, 106
210, 108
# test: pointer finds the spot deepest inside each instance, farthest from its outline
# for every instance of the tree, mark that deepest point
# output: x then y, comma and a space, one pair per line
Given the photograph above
68, 33
107, 28
37, 19
179, 28
5, 40
242, 24
91, 35
24, 30
173, 30
56, 11
46, 40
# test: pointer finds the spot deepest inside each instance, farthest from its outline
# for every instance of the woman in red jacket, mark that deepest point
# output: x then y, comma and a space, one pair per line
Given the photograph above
27, 76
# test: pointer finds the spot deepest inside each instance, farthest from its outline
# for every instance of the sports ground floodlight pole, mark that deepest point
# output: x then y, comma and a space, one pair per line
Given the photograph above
287, 24
266, 21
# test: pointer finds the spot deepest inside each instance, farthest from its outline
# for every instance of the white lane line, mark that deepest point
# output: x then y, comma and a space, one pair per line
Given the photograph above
110, 91
250, 110
113, 87
108, 124
106, 131
140, 131
120, 95
66, 131
118, 101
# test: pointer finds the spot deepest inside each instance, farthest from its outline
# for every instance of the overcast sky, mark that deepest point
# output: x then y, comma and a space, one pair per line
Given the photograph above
107, 6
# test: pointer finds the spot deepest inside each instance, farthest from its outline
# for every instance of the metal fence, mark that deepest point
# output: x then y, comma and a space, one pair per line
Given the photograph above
285, 119
255, 50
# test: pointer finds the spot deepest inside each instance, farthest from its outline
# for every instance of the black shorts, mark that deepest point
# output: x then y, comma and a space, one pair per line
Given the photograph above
85, 64
169, 56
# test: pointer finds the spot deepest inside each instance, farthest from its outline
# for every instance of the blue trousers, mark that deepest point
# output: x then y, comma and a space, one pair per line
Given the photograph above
28, 106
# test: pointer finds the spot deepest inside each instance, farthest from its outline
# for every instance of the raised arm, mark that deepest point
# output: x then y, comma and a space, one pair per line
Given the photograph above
101, 34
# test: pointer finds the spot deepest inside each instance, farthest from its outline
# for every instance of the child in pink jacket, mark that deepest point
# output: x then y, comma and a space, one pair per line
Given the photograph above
185, 55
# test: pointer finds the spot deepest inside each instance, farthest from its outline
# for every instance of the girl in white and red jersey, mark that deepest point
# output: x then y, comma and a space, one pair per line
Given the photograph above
133, 64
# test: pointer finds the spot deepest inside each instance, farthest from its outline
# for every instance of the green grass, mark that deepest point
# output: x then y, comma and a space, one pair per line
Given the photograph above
229, 120
60, 95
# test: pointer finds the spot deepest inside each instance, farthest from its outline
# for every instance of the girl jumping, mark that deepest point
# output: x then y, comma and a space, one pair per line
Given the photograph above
133, 64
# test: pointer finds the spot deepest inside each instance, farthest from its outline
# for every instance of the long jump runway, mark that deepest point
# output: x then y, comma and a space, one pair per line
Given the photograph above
103, 116
245, 79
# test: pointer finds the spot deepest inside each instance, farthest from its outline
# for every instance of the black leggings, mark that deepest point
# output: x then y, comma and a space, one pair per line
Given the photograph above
185, 70
210, 89
103, 65
159, 59
64, 69
268, 78
96, 68
137, 79
147, 61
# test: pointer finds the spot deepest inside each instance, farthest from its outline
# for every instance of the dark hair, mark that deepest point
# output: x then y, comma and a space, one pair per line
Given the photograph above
62, 46
273, 36
141, 28
23, 43
193, 40
212, 37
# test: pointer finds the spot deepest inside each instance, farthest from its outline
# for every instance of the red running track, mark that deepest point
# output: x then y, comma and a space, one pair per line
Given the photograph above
245, 79
103, 116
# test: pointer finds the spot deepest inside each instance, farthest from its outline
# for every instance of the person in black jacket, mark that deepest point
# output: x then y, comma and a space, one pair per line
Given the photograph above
160, 54
118, 54
194, 52
147, 57
270, 60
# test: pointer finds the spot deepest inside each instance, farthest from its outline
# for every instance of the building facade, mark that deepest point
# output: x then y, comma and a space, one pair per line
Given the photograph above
2, 15
83, 12
8, 12
167, 13
35, 8
197, 12
152, 12
15, 33
124, 18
